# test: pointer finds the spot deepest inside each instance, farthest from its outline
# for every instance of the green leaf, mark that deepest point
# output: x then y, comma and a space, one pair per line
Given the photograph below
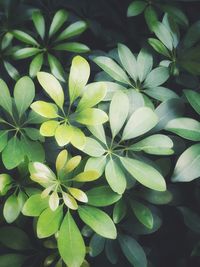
144, 64
36, 65
119, 211
140, 122
91, 116
92, 95
93, 148
96, 164
72, 47
157, 144
39, 23
188, 165
14, 238
102, 196
144, 174
78, 77
128, 61
133, 251
143, 213
112, 68
24, 93
96, 245
161, 93
192, 35
136, 8
26, 52
72, 30
56, 67
3, 139
52, 87
63, 134
156, 77
35, 205
159, 47
11, 209
115, 177
151, 16
49, 222
5, 98
98, 220
70, 242
185, 127
24, 37
12, 71
45, 109
13, 148
163, 34
32, 149
155, 197
118, 113
59, 18
194, 99
12, 259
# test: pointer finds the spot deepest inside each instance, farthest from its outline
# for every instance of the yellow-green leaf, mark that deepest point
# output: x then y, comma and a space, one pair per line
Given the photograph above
63, 134
61, 160
48, 128
52, 86
78, 77
87, 176
78, 138
69, 201
45, 109
54, 201
91, 116
72, 163
78, 194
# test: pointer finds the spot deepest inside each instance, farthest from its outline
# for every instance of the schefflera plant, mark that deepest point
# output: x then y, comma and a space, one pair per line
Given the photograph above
64, 120
18, 135
136, 73
120, 155
43, 44
63, 191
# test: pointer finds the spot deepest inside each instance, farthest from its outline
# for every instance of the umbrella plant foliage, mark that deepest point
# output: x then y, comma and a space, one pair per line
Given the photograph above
99, 161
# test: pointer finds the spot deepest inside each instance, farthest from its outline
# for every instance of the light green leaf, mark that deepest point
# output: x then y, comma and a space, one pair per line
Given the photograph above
128, 60
45, 109
5, 98
72, 30
156, 77
188, 165
52, 87
78, 77
93, 148
69, 201
115, 177
91, 116
24, 93
92, 95
11, 209
112, 68
99, 132
144, 174
96, 164
133, 251
35, 205
143, 213
12, 71
161, 93
32, 149
157, 144
78, 194
98, 220
144, 64
194, 99
39, 23
102, 196
63, 134
13, 148
36, 65
70, 242
54, 201
185, 127
140, 122
136, 8
49, 222
118, 113
163, 34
